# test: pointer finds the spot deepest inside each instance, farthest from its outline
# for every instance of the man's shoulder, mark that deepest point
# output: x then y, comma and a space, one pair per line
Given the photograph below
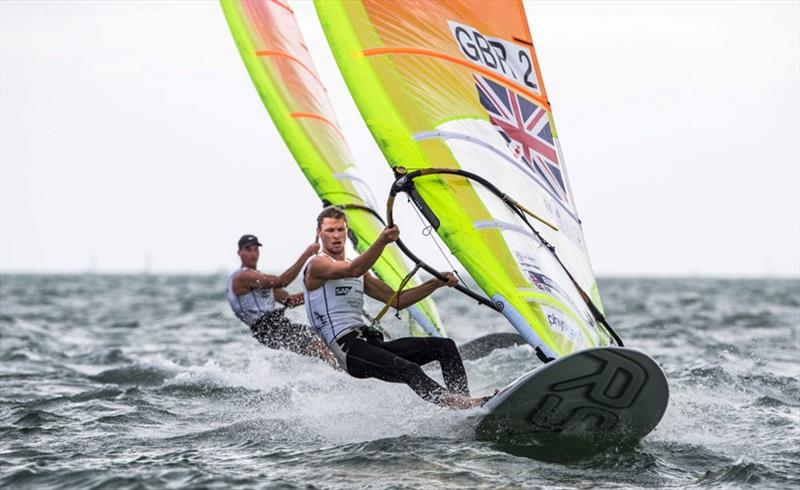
245, 273
318, 258
317, 267
241, 270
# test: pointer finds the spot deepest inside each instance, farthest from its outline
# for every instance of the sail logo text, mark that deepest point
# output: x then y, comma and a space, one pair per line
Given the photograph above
559, 324
509, 60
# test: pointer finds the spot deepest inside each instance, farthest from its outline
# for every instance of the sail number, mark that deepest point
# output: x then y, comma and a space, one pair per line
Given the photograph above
507, 59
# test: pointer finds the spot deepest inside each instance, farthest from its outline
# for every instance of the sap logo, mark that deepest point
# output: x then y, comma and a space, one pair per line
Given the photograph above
343, 290
504, 58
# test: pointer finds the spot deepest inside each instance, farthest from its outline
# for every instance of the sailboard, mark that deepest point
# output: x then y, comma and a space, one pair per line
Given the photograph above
272, 47
453, 94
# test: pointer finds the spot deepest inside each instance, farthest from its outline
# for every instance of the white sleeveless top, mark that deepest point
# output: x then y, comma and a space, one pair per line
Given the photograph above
335, 308
252, 305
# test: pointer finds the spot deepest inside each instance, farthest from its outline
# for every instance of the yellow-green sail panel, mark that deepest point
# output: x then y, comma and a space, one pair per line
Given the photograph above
272, 47
456, 84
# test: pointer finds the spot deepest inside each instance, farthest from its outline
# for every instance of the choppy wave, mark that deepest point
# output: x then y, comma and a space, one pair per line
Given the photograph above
148, 381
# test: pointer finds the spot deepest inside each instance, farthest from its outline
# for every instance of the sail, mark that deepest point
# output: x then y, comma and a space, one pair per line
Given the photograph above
456, 85
273, 50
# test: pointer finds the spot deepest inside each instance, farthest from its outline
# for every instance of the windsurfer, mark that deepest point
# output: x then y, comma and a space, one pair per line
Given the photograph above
254, 298
334, 291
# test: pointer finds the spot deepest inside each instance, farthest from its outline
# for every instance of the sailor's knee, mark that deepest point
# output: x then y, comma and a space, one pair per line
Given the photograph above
409, 371
443, 344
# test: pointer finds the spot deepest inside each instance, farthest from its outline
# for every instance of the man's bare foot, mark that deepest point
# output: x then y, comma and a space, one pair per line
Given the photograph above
460, 402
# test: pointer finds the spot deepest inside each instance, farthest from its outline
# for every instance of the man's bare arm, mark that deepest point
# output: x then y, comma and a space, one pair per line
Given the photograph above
377, 289
250, 279
290, 274
322, 269
281, 295
289, 300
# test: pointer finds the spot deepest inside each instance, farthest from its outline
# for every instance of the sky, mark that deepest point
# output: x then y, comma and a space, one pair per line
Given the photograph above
132, 139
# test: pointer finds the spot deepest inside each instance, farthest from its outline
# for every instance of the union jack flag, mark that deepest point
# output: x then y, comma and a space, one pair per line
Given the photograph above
526, 128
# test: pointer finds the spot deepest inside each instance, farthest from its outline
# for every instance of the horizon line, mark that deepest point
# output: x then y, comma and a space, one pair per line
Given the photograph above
225, 272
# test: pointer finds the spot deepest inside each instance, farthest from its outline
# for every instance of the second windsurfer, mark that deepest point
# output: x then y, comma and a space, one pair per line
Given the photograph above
254, 298
334, 291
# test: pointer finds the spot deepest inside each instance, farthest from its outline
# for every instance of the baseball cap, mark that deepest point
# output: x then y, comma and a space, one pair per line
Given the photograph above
247, 240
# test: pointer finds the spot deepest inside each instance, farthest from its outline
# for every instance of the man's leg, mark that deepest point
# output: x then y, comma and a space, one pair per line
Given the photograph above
365, 360
422, 350
309, 344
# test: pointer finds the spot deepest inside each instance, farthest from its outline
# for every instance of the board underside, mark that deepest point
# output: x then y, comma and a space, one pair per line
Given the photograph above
603, 395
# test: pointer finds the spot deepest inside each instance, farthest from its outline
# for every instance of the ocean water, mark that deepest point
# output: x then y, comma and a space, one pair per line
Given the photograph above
150, 382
